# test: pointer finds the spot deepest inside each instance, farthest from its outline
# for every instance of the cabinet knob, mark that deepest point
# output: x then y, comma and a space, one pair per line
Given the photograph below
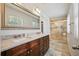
41, 53
41, 49
30, 50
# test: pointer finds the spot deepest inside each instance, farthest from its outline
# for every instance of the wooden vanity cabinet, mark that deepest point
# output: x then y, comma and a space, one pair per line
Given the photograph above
28, 49
36, 47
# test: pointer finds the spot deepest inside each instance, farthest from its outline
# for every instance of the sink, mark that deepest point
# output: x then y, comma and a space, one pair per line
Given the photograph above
19, 39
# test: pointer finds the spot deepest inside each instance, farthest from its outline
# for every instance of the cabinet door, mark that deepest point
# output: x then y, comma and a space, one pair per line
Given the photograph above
47, 39
46, 43
34, 48
18, 51
42, 46
27, 46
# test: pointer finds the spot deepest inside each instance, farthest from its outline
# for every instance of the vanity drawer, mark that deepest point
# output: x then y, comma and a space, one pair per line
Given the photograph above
18, 51
35, 48
35, 42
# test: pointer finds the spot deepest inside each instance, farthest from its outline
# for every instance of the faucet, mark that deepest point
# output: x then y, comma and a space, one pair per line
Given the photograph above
28, 35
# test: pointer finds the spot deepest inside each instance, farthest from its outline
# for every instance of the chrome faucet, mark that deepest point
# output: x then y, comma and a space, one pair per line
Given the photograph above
28, 35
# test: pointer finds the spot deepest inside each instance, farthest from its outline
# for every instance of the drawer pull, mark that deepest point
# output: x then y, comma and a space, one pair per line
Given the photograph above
30, 50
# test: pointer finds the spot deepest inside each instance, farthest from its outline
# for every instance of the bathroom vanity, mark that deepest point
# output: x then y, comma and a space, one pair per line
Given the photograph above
15, 16
34, 47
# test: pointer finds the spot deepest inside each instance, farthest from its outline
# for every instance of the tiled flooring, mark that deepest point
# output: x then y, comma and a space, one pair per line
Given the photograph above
58, 48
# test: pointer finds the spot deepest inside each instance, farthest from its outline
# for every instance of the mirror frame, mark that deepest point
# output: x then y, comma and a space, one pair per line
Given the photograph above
3, 26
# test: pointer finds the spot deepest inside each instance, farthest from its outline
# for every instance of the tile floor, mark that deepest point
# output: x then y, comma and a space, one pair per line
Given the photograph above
58, 48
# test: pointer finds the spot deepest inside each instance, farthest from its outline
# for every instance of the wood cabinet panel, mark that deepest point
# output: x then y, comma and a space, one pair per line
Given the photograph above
34, 51
34, 48
3, 53
46, 43
19, 50
42, 46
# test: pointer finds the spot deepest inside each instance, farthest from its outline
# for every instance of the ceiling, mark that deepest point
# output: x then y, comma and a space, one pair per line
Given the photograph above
49, 9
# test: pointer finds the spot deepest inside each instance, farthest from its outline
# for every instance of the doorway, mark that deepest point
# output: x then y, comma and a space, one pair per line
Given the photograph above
58, 38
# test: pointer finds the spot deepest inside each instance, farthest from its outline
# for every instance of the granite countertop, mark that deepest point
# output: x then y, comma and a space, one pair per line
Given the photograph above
11, 43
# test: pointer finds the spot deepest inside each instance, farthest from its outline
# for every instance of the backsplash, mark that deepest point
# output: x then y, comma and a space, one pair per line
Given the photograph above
7, 34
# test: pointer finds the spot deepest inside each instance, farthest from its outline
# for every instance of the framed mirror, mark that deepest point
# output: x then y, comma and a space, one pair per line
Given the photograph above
16, 16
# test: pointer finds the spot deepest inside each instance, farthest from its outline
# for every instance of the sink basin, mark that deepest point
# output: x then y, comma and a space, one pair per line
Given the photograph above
19, 39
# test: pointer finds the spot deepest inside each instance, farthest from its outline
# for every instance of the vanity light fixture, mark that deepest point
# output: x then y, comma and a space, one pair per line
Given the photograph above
36, 11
